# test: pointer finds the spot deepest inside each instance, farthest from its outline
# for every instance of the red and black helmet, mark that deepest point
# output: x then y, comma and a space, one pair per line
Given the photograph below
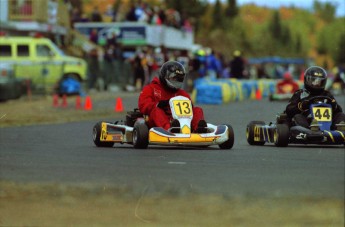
172, 75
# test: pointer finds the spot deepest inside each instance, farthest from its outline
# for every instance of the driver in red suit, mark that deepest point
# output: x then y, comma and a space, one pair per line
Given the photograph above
154, 99
287, 85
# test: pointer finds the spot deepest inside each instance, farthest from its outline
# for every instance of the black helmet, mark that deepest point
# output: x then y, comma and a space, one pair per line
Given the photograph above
172, 74
315, 79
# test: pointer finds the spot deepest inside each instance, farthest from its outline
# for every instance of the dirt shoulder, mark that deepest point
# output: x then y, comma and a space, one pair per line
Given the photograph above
48, 110
61, 205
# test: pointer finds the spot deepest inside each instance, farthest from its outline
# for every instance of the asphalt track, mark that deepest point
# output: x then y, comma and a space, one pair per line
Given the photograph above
65, 154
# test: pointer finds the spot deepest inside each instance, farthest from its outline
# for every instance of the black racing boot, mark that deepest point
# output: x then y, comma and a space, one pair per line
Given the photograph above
314, 126
340, 126
175, 126
202, 127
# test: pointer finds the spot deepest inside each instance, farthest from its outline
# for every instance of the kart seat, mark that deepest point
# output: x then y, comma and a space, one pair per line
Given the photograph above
132, 116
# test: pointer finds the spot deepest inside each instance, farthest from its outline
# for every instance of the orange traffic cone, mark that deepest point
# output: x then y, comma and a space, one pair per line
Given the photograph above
88, 103
118, 106
56, 100
64, 101
258, 95
78, 102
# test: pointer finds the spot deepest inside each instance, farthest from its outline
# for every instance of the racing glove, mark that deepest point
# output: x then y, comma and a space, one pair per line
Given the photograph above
163, 104
334, 104
304, 105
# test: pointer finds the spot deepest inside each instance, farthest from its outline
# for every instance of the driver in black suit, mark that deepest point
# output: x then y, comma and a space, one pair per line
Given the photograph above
315, 79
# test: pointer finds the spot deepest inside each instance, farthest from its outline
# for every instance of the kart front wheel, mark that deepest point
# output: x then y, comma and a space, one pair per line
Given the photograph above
230, 142
96, 136
250, 133
281, 135
140, 135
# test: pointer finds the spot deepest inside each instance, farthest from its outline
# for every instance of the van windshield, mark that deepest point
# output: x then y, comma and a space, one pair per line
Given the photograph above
57, 49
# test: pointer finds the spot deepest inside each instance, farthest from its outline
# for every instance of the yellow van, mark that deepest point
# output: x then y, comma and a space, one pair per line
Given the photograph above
40, 61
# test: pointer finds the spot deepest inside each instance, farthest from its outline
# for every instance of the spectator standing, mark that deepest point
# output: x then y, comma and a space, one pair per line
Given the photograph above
118, 63
143, 13
108, 64
109, 14
213, 65
96, 15
94, 68
139, 73
261, 71
111, 39
75, 16
155, 19
237, 65
94, 36
84, 18
201, 61
26, 8
186, 23
173, 18
162, 16
130, 16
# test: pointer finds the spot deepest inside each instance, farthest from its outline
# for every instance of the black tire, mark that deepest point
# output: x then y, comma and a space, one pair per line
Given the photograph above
96, 136
230, 142
281, 135
140, 135
250, 133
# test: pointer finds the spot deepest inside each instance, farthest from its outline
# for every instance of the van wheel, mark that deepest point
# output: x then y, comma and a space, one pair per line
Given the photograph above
69, 84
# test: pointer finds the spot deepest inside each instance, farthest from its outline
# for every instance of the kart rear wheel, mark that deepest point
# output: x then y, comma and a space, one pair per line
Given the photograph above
230, 142
140, 135
281, 135
96, 136
250, 133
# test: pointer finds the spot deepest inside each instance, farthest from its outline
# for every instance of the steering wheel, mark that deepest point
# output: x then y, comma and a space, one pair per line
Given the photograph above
320, 99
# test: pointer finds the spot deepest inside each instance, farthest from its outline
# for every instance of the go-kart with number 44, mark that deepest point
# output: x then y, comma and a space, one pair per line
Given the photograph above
283, 132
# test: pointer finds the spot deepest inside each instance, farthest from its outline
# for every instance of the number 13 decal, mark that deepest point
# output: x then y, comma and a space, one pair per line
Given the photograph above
183, 107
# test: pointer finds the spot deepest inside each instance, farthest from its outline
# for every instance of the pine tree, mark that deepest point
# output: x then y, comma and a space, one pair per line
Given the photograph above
298, 45
231, 9
217, 15
322, 44
286, 37
275, 26
340, 58
325, 10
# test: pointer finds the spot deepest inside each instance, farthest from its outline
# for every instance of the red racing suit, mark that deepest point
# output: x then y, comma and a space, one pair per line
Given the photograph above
158, 117
287, 87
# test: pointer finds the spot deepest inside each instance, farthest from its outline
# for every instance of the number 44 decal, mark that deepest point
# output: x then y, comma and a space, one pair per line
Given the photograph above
322, 113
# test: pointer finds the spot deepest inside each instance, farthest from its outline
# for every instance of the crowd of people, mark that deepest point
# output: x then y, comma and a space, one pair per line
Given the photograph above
139, 12
136, 69
140, 66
